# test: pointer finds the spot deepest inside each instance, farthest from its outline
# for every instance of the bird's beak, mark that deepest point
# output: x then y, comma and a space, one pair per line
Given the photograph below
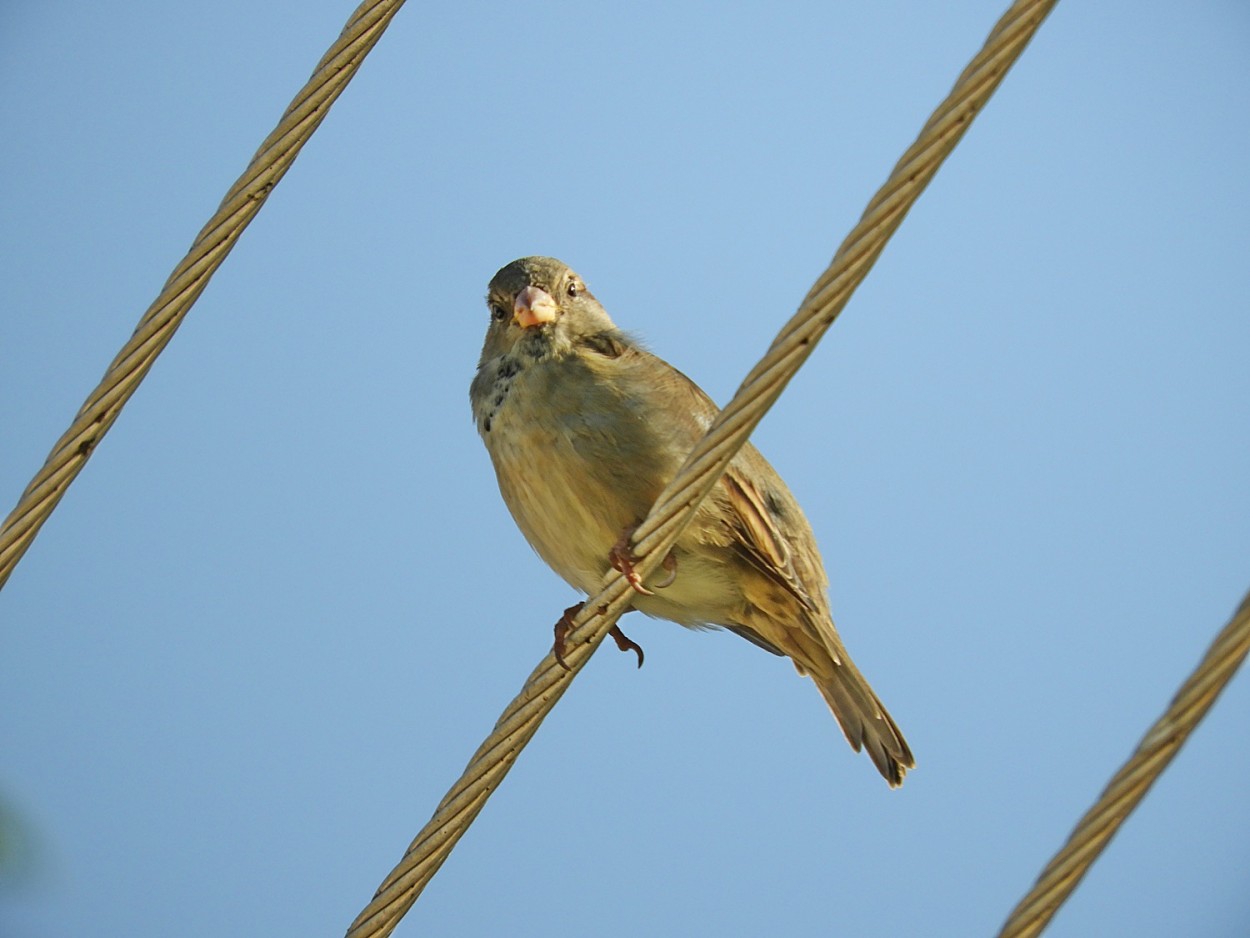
533, 307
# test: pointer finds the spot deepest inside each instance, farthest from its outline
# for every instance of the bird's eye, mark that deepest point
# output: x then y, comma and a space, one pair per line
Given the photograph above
574, 289
497, 312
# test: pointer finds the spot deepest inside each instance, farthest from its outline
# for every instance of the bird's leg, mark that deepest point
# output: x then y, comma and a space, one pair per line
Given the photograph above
622, 558
565, 625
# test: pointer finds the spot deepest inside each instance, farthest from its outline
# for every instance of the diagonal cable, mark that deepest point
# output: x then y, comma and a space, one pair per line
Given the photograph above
1123, 793
676, 504
190, 277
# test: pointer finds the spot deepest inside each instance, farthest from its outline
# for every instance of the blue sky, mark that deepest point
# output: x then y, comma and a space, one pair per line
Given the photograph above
283, 604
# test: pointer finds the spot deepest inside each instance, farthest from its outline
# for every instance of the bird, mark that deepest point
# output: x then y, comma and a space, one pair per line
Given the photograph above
585, 427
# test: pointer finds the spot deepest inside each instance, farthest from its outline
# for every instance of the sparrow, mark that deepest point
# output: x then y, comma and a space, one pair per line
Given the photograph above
585, 427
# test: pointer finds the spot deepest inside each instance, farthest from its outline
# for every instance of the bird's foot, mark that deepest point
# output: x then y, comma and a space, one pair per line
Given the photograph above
565, 625
622, 559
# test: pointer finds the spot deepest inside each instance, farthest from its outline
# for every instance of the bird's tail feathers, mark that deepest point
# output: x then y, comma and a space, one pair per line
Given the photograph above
859, 712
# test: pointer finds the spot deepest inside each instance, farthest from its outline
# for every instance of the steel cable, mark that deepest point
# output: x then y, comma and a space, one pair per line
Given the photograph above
190, 277
1129, 785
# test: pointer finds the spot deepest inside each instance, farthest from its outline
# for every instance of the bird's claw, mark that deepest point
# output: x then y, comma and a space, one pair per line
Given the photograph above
622, 559
565, 625
669, 564
625, 643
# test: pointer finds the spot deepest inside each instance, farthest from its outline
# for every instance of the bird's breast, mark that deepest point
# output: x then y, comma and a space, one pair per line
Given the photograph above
576, 460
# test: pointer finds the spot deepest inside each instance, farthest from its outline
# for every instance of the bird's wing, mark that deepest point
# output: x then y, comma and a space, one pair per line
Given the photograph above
763, 519
758, 535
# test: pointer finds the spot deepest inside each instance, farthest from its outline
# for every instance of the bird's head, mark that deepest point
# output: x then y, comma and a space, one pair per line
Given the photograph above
539, 307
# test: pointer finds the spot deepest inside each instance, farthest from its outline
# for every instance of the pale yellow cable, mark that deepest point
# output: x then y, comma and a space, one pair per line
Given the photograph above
676, 504
1130, 784
190, 277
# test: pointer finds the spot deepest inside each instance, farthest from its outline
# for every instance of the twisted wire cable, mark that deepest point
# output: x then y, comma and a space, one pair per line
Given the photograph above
1129, 785
677, 503
190, 277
